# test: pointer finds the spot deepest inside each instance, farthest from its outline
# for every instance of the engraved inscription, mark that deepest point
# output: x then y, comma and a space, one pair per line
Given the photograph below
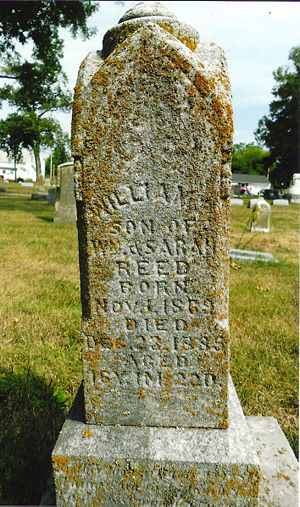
130, 195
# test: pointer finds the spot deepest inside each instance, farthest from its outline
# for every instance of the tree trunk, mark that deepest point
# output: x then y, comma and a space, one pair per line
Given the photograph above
37, 159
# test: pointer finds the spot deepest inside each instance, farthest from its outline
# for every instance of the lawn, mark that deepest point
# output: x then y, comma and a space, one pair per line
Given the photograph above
40, 340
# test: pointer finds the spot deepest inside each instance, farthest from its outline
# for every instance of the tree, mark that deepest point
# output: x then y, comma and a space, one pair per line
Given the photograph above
39, 22
11, 134
249, 159
280, 131
28, 131
44, 95
38, 86
61, 151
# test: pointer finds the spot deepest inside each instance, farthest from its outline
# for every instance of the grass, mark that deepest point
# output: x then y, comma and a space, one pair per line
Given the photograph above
16, 188
40, 341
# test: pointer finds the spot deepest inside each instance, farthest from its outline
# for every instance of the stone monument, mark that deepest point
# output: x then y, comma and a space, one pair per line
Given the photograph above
65, 206
261, 216
294, 190
152, 139
40, 192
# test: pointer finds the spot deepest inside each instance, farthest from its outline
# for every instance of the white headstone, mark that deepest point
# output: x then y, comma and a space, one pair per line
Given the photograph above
261, 216
280, 202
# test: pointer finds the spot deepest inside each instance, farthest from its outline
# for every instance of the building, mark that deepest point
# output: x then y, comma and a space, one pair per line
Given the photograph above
24, 169
253, 182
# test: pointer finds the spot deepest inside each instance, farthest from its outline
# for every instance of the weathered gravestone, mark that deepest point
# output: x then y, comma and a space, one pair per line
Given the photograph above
65, 206
40, 193
152, 141
236, 202
261, 216
52, 196
280, 202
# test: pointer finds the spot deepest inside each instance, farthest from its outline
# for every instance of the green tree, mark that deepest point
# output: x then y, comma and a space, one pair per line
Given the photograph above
61, 151
249, 159
45, 95
11, 133
27, 130
39, 22
38, 85
280, 131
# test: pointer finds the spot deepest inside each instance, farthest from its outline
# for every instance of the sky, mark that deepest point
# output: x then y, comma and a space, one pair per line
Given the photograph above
256, 37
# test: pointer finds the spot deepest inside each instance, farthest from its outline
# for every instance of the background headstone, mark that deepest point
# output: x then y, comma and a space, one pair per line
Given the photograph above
280, 202
65, 206
40, 193
52, 196
236, 202
251, 256
293, 192
252, 203
261, 216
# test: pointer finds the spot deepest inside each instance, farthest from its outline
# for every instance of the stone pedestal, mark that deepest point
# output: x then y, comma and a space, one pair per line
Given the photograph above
121, 465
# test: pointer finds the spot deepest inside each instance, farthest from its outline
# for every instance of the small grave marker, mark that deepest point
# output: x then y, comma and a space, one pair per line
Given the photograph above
281, 202
261, 216
65, 206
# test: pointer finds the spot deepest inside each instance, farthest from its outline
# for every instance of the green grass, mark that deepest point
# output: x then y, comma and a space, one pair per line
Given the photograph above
40, 340
16, 188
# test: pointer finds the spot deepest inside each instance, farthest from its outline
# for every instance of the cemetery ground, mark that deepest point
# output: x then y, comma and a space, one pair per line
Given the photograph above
40, 341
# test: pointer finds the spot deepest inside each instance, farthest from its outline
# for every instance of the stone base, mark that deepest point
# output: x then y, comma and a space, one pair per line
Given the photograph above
126, 465
39, 197
260, 229
279, 466
251, 256
65, 214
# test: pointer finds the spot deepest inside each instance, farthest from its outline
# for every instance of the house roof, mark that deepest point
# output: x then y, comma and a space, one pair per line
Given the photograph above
249, 178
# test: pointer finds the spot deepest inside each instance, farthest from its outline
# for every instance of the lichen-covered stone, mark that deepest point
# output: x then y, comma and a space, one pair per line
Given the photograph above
152, 140
107, 465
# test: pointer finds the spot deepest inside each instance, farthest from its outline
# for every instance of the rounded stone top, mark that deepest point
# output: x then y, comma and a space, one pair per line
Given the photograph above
145, 14
145, 9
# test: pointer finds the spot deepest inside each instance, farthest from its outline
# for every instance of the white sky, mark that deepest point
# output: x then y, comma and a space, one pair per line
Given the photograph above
256, 38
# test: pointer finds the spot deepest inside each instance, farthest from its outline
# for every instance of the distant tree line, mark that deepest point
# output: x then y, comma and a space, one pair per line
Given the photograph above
250, 159
279, 131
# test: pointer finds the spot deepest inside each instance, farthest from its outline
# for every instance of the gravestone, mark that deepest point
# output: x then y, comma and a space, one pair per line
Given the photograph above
281, 202
261, 216
65, 206
152, 142
40, 193
26, 184
236, 202
252, 203
251, 256
293, 191
52, 196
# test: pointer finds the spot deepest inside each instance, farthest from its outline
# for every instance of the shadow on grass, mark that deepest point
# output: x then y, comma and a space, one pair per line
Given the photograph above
31, 414
46, 219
